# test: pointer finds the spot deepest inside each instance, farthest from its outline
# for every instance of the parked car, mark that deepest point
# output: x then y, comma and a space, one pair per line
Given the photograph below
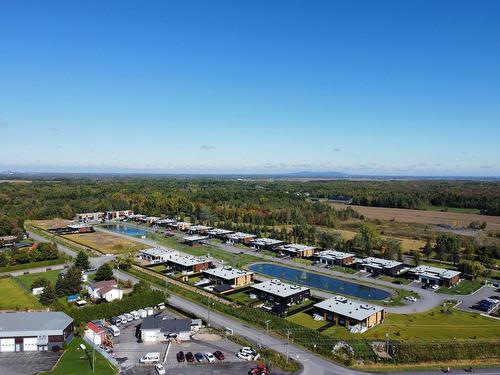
411, 298
219, 355
180, 356
248, 350
210, 357
115, 320
150, 358
114, 330
189, 357
160, 369
435, 286
199, 357
244, 356
426, 286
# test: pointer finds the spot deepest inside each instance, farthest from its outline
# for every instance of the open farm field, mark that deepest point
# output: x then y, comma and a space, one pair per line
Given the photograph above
106, 242
49, 223
423, 217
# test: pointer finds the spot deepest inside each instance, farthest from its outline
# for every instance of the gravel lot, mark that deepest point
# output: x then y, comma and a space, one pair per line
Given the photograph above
27, 363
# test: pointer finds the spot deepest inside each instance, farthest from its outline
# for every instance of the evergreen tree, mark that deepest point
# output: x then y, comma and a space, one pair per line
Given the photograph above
40, 282
48, 296
427, 249
105, 272
82, 261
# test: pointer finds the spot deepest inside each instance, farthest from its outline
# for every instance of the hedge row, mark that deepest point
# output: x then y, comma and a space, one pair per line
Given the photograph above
108, 310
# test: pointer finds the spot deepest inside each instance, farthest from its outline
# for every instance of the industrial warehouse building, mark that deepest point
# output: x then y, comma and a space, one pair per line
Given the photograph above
355, 316
280, 293
434, 275
34, 331
161, 328
230, 276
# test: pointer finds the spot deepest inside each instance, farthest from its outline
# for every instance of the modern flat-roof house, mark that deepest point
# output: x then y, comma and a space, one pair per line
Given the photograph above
230, 276
180, 225
435, 275
355, 316
266, 243
333, 257
34, 331
165, 222
118, 215
281, 293
240, 237
198, 229
107, 290
218, 233
79, 228
161, 328
8, 240
157, 254
186, 263
194, 240
89, 217
151, 220
296, 250
379, 266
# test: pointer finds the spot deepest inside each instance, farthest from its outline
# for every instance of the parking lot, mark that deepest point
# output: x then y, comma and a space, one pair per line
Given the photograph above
468, 302
27, 363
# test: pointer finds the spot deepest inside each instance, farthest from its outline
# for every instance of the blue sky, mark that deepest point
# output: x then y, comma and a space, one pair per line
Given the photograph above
375, 87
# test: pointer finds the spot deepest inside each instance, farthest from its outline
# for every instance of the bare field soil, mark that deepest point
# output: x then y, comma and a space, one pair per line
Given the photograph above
423, 217
106, 243
49, 223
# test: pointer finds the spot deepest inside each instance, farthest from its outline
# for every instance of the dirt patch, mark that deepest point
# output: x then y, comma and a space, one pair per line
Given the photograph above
106, 243
50, 223
207, 337
404, 215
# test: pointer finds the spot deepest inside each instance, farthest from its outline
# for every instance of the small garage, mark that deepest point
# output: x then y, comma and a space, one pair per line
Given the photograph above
30, 344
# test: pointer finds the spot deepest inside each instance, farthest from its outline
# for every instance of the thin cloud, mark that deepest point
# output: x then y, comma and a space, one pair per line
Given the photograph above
208, 147
337, 149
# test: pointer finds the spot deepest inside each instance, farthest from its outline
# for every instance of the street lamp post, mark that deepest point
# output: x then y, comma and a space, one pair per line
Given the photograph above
267, 332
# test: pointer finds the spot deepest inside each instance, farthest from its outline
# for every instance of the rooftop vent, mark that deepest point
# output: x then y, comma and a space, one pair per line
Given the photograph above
366, 307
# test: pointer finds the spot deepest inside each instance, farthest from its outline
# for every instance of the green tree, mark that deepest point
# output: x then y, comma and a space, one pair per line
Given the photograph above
105, 272
48, 296
4, 260
141, 287
69, 283
40, 282
427, 249
82, 261
473, 268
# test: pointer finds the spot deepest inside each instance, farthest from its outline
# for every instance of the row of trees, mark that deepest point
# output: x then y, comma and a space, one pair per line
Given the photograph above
43, 251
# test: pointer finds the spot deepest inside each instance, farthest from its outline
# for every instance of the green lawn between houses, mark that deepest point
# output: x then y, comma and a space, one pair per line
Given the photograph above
43, 263
437, 324
27, 280
464, 287
76, 361
13, 297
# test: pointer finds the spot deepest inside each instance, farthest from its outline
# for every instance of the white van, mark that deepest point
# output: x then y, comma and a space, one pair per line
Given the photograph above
135, 314
129, 317
114, 331
150, 358
161, 306
142, 313
149, 310
123, 319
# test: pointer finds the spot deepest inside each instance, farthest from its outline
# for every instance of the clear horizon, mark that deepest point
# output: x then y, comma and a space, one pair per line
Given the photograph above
372, 88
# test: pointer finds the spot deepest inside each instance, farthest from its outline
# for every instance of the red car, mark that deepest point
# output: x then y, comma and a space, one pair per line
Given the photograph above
218, 354
189, 357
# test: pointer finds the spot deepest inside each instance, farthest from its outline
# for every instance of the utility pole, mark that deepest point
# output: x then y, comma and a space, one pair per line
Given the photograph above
287, 343
267, 332
208, 312
93, 352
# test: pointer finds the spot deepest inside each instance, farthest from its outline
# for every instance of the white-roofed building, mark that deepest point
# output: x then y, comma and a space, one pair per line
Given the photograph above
334, 257
355, 316
240, 237
281, 293
194, 240
379, 266
296, 250
266, 243
198, 229
230, 276
435, 275
157, 254
188, 263
218, 232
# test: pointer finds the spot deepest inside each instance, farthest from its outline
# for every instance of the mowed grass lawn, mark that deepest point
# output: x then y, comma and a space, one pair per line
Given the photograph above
432, 325
106, 242
306, 320
27, 280
464, 287
75, 361
13, 297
